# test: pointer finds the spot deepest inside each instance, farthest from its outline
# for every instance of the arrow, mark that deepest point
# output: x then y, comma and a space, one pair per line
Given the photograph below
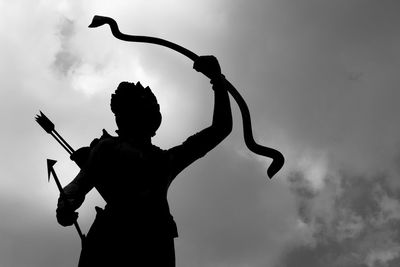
50, 170
49, 127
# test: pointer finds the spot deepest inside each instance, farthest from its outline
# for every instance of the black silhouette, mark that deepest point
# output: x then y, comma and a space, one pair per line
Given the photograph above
277, 157
133, 176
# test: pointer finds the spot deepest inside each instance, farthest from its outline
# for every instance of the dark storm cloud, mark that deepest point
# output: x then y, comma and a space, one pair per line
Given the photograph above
323, 73
358, 228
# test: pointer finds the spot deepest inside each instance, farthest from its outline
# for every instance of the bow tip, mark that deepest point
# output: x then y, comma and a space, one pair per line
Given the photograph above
97, 21
276, 165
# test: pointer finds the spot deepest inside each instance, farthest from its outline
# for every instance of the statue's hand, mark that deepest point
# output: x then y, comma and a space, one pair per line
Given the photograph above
209, 66
66, 216
81, 156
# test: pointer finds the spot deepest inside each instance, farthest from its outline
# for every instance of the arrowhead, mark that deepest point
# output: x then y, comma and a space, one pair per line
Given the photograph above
50, 164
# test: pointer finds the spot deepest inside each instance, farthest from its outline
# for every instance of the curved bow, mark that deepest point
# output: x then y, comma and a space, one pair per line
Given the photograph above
277, 157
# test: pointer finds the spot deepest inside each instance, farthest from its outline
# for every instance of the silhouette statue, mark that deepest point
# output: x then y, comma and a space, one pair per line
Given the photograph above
133, 176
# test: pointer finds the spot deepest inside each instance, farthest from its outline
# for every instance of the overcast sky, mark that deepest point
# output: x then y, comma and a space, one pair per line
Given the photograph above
321, 81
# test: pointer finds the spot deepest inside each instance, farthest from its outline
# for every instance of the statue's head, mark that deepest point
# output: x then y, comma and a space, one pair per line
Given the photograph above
136, 110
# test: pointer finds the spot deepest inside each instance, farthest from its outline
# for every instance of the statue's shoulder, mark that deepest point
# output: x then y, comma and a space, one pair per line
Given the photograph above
158, 150
105, 141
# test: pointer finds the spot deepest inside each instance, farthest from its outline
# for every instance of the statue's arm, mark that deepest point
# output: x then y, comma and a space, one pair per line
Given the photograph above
202, 142
75, 193
88, 159
222, 123
77, 189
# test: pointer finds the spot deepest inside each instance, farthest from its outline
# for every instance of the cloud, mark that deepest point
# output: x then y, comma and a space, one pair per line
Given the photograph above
354, 221
298, 83
65, 59
321, 81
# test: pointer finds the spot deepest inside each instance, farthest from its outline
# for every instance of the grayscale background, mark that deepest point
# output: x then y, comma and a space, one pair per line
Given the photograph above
321, 79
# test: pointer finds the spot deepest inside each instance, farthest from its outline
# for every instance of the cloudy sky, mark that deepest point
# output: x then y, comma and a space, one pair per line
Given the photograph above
321, 80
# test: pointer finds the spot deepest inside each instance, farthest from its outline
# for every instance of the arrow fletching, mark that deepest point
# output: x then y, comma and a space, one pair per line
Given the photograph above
49, 127
43, 121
